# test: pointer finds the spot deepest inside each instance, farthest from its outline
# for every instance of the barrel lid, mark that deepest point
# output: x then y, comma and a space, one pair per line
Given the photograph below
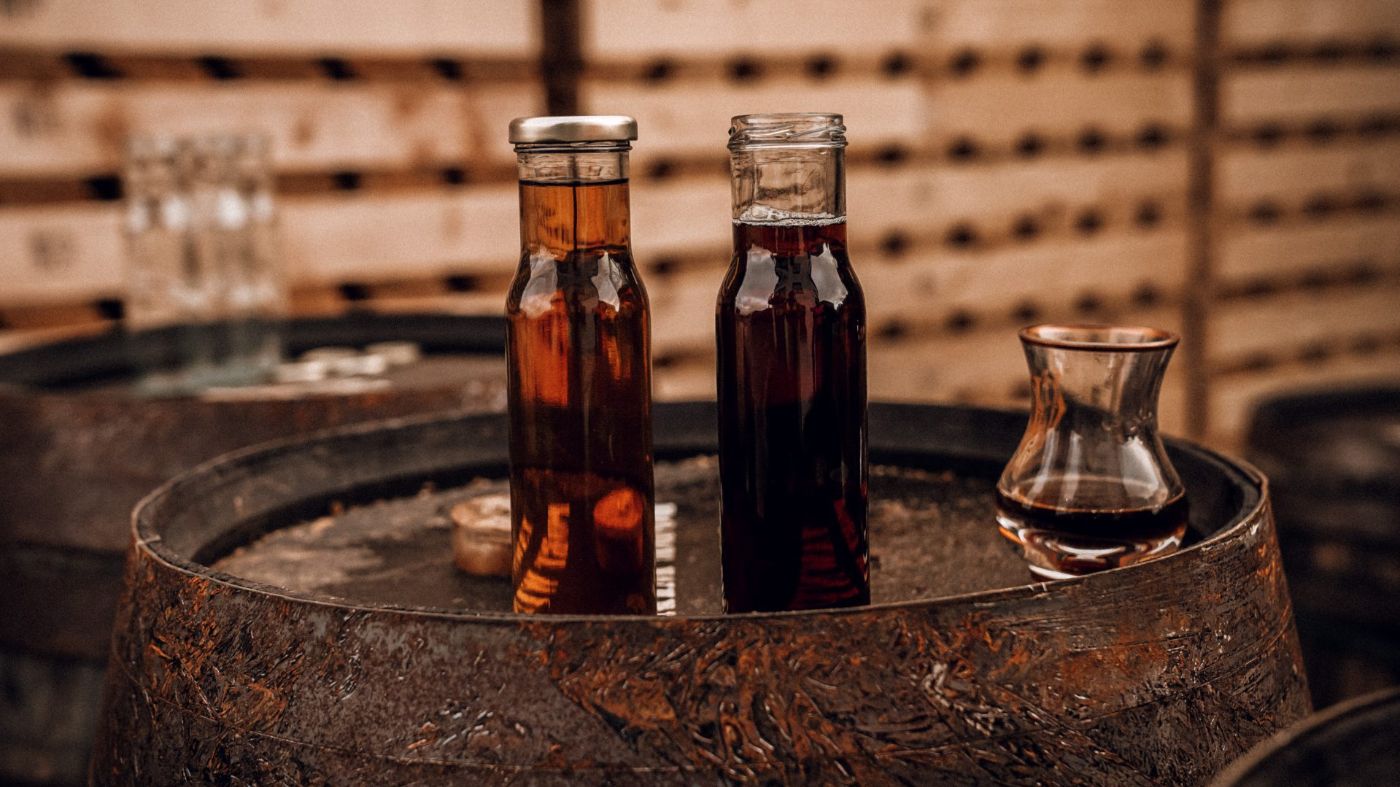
573, 128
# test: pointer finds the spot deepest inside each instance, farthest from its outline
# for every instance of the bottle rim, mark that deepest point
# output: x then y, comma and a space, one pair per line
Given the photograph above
787, 129
556, 129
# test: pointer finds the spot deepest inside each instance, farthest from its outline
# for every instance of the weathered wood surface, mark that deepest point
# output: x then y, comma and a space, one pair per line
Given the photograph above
1160, 673
78, 448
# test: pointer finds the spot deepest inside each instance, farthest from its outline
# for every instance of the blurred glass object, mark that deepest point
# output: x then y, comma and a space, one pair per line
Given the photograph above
203, 263
1090, 486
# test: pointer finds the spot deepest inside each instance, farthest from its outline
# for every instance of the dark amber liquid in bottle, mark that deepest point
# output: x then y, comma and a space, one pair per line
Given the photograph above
1062, 541
579, 371
792, 401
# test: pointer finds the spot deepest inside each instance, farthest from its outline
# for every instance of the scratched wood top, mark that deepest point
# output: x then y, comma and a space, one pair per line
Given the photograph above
932, 534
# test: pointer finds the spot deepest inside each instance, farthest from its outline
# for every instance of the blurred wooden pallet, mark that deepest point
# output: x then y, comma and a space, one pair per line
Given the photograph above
387, 129
1305, 272
1011, 161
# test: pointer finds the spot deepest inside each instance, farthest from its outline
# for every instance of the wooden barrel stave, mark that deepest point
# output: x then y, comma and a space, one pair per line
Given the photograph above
1039, 683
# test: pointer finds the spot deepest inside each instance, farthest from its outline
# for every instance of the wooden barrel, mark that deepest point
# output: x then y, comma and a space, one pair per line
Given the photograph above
79, 447
292, 616
1333, 458
1354, 744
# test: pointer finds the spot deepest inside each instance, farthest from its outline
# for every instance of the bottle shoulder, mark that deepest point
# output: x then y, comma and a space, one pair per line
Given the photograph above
759, 279
603, 279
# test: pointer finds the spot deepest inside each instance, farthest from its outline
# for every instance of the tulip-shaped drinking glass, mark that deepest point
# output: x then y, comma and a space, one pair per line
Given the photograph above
1090, 486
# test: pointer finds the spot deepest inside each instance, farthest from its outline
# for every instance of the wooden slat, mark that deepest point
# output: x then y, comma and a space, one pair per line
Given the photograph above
1272, 253
683, 307
692, 214
1245, 175
690, 118
642, 29
999, 108
374, 237
928, 289
988, 367
75, 252
1059, 23
78, 128
1234, 397
1285, 324
1250, 97
481, 28
682, 217
922, 198
60, 253
1256, 23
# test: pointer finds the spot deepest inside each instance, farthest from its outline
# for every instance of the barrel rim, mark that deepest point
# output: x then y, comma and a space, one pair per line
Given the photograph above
1261, 753
45, 370
151, 545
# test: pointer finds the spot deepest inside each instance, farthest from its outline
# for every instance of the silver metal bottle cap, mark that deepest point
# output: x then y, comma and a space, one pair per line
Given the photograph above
573, 128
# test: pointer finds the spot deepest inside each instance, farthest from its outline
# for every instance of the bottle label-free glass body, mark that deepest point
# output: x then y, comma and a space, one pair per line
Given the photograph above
580, 408
792, 407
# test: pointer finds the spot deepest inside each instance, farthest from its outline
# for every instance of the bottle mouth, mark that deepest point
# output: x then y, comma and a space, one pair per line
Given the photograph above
817, 129
1100, 338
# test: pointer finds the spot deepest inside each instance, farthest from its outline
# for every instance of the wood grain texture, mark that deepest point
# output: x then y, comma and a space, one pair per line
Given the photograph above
478, 28
1287, 324
629, 30
1246, 174
67, 252
1001, 108
1255, 23
71, 129
1285, 253
1158, 673
1253, 96
690, 118
1061, 24
929, 288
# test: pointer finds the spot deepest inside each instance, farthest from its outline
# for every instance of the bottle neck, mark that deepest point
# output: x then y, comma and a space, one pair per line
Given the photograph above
573, 197
803, 184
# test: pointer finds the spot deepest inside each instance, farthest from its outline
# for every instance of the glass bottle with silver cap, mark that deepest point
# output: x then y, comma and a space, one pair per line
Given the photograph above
579, 376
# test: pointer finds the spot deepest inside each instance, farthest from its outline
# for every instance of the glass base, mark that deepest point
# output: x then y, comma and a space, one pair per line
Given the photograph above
1060, 555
